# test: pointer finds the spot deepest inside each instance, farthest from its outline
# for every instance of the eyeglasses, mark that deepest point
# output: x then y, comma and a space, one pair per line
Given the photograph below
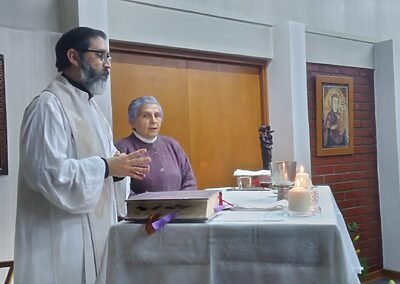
104, 55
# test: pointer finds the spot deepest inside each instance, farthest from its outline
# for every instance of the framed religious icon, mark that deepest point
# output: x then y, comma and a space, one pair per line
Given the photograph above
334, 113
3, 122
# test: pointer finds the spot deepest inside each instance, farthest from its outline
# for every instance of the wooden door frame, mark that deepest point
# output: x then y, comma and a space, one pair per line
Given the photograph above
180, 53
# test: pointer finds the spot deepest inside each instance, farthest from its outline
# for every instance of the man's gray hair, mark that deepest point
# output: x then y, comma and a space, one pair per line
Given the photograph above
134, 106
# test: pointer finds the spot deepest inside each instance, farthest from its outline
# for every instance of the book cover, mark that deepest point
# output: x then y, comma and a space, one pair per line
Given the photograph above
194, 205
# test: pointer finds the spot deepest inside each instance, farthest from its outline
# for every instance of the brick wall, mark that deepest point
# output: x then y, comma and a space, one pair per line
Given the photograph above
352, 178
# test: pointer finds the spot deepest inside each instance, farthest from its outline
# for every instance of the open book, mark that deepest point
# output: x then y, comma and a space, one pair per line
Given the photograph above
188, 206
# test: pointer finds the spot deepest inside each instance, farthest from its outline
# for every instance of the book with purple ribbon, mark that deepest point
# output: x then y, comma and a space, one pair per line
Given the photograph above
184, 206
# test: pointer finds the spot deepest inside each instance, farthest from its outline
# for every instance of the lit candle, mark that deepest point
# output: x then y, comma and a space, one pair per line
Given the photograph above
299, 199
303, 178
286, 181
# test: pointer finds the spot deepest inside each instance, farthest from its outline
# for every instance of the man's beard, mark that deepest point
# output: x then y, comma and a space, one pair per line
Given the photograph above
94, 81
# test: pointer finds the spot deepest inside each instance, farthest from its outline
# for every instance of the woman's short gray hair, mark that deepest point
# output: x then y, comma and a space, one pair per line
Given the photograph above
134, 106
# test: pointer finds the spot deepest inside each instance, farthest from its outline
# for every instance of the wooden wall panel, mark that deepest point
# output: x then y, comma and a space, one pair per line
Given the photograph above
133, 76
225, 115
212, 109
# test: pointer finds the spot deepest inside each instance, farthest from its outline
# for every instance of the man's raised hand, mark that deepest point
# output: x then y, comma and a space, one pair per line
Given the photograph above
135, 164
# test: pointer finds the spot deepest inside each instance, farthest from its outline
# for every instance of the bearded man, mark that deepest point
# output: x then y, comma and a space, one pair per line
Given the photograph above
68, 164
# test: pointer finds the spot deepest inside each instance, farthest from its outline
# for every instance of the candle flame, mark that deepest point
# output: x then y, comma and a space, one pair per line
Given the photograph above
297, 183
301, 169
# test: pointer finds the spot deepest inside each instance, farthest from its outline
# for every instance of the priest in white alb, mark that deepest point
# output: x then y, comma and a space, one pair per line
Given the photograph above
67, 191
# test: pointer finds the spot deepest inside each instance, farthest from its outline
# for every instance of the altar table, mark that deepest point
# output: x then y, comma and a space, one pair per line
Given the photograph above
237, 247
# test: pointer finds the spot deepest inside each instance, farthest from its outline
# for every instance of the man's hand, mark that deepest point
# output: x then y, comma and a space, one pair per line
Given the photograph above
135, 164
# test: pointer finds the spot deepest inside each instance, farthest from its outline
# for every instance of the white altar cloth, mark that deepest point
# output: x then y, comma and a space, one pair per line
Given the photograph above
237, 247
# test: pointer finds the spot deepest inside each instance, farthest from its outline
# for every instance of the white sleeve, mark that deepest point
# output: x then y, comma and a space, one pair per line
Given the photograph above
122, 190
48, 159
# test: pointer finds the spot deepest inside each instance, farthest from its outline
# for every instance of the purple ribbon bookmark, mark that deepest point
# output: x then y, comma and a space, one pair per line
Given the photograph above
219, 208
160, 223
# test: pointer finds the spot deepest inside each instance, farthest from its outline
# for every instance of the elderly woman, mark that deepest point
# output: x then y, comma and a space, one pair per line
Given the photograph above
170, 168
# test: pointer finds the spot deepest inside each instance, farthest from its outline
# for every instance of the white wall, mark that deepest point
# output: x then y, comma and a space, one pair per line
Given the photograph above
386, 110
337, 50
287, 88
31, 15
361, 18
130, 21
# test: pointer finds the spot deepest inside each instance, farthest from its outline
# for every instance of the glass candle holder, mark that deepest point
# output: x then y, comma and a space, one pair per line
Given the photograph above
244, 182
315, 208
283, 173
265, 181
